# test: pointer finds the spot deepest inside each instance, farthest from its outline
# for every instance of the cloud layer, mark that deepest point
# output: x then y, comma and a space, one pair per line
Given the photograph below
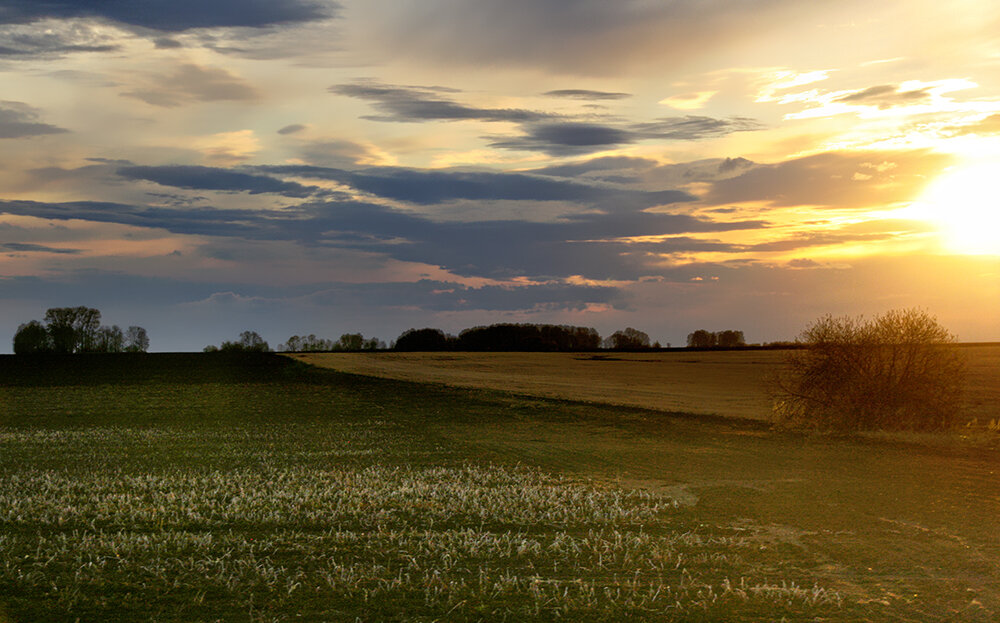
170, 15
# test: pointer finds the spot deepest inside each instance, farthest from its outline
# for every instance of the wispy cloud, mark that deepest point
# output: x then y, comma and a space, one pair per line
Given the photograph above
19, 120
886, 96
426, 187
587, 94
190, 83
213, 178
570, 138
400, 103
546, 132
24, 247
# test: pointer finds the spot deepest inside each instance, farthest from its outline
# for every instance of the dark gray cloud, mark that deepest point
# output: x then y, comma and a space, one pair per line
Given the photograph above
885, 96
403, 103
24, 247
292, 129
171, 15
586, 94
427, 187
191, 83
570, 138
200, 220
213, 178
18, 120
166, 43
584, 244
22, 42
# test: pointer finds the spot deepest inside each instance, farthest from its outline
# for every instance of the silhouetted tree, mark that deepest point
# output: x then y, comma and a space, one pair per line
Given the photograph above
72, 329
423, 340
292, 344
628, 339
528, 337
895, 371
730, 339
136, 340
585, 338
31, 338
307, 344
249, 342
76, 330
350, 341
109, 340
701, 339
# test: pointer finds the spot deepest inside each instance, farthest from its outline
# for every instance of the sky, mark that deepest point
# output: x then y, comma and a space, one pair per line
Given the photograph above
327, 167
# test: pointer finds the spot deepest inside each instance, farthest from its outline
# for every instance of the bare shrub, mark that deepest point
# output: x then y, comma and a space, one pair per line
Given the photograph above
897, 371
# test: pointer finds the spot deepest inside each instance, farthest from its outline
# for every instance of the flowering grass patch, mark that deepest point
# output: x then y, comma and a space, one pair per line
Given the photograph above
377, 541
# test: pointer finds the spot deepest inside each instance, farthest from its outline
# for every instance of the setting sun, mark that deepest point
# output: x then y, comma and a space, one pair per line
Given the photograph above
963, 204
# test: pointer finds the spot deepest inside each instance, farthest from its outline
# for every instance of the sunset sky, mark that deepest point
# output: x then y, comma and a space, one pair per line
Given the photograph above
310, 166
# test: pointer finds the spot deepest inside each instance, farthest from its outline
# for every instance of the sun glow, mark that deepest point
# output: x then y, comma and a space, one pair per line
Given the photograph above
964, 206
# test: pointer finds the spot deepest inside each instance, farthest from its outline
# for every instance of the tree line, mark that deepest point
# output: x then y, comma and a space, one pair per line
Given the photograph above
495, 337
346, 342
68, 330
522, 337
251, 342
729, 338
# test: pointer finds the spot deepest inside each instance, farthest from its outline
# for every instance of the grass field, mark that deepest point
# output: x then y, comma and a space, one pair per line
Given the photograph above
727, 383
202, 488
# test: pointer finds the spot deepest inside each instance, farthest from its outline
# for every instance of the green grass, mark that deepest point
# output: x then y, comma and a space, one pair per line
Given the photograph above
203, 488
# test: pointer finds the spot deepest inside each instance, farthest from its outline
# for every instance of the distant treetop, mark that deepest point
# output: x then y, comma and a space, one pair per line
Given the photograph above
628, 339
249, 342
719, 339
502, 337
347, 342
77, 330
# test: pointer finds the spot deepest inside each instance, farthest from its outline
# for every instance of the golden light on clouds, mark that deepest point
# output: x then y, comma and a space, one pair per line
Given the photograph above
568, 161
227, 148
688, 101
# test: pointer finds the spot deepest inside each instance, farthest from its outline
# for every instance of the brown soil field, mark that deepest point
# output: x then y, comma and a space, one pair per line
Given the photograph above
726, 383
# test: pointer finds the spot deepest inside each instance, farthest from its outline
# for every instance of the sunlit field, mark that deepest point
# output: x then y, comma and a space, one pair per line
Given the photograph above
202, 488
727, 383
